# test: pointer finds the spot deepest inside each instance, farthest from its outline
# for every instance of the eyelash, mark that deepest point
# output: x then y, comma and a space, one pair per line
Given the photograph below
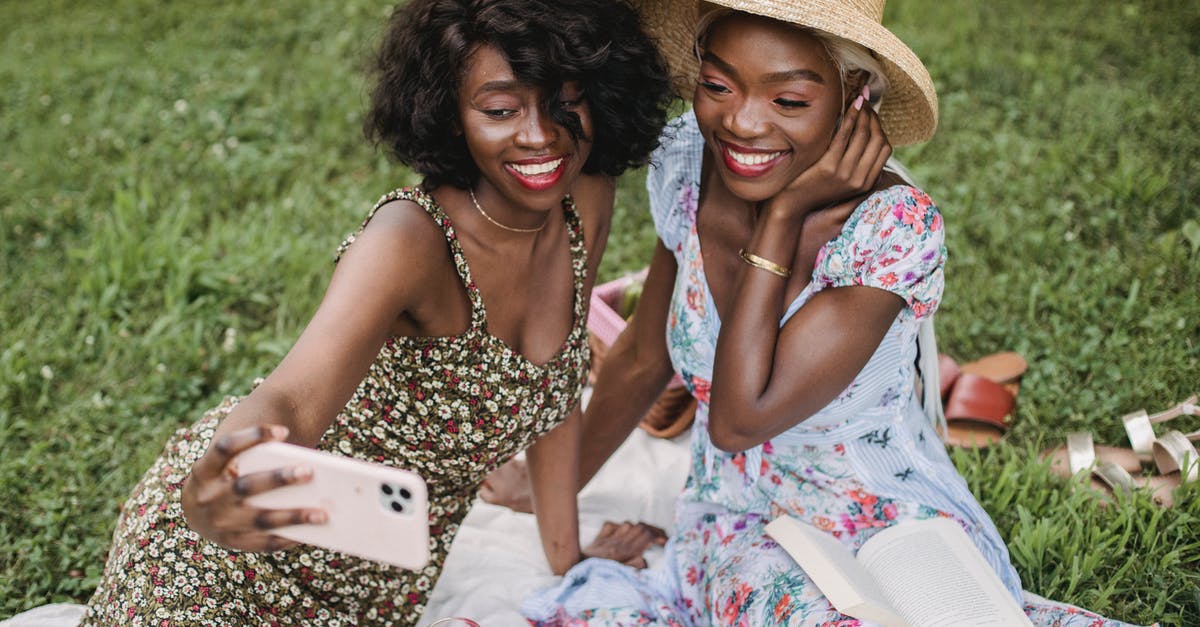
791, 104
501, 114
786, 103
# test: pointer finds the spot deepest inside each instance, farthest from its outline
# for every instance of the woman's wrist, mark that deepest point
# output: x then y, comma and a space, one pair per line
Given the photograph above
765, 264
562, 563
775, 237
786, 209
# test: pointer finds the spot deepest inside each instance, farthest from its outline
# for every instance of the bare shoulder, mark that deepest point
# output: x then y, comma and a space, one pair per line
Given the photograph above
400, 240
401, 228
407, 220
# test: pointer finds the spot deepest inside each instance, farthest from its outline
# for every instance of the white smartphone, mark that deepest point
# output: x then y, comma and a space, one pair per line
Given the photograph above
375, 512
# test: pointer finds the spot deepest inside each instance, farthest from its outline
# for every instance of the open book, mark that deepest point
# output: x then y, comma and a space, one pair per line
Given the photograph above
924, 573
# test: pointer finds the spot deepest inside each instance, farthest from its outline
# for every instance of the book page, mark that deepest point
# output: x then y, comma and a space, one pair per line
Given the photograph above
831, 566
935, 576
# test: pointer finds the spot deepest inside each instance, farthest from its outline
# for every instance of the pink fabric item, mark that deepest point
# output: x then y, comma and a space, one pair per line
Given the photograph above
604, 321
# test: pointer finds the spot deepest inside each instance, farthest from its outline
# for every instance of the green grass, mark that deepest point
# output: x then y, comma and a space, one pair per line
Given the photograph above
173, 182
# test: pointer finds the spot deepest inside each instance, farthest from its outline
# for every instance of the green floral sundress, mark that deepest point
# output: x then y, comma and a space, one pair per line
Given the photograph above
449, 408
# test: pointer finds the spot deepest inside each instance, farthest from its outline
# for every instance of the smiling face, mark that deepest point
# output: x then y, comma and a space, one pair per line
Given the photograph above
527, 161
767, 102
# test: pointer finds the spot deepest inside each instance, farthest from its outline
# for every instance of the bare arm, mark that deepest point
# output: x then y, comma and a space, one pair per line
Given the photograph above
767, 379
376, 281
787, 375
636, 371
301, 397
552, 472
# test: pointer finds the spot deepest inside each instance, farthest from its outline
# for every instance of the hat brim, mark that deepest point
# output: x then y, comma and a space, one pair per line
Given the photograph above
909, 110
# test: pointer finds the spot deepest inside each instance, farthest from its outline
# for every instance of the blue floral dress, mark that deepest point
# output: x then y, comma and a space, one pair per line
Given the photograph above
866, 461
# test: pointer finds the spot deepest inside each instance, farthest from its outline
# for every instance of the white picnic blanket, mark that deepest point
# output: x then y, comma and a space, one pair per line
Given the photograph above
497, 558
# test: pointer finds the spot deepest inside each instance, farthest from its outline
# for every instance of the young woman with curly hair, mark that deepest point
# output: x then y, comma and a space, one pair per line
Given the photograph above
452, 334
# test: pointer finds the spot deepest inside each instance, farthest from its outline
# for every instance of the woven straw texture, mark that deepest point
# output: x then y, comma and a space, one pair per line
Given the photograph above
909, 110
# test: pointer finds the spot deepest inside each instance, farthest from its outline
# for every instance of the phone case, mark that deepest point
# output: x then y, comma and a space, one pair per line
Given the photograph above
375, 511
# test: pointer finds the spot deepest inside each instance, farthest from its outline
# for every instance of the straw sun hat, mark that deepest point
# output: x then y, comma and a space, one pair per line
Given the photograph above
909, 109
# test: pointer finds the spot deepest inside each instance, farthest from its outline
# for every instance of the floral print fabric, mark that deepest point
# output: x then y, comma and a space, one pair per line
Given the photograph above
449, 408
865, 462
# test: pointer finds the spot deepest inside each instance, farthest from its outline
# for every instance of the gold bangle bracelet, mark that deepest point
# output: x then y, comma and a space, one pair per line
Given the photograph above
764, 264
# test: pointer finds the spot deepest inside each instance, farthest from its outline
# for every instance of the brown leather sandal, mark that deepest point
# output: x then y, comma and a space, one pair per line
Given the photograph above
978, 413
1005, 368
980, 397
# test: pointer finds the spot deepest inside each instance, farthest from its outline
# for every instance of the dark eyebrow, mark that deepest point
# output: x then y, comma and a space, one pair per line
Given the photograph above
503, 85
773, 77
719, 62
793, 75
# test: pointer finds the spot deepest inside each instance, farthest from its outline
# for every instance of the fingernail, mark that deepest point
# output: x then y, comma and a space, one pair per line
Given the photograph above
858, 103
302, 472
866, 92
317, 518
279, 432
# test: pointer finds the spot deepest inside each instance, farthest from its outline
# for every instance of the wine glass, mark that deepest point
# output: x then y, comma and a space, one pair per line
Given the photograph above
454, 621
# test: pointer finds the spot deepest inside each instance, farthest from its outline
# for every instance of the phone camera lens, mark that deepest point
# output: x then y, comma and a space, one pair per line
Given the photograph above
398, 507
405, 494
387, 489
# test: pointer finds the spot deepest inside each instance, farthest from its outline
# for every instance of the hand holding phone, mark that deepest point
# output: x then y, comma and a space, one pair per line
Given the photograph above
215, 493
373, 511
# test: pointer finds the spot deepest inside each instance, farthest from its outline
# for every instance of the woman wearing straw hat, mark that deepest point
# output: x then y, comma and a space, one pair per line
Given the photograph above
792, 274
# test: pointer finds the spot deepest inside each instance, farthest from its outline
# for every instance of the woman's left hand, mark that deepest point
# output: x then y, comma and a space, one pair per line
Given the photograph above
848, 169
625, 542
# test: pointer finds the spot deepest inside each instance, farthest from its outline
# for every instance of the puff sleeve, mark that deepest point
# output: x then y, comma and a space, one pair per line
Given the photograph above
895, 242
673, 181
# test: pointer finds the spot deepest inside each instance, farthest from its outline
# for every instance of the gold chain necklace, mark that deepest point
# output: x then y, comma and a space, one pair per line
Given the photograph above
475, 201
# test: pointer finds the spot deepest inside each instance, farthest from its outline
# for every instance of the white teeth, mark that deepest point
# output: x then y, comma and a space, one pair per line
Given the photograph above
540, 168
757, 158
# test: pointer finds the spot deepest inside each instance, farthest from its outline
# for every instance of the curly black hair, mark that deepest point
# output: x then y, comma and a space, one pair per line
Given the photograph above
599, 43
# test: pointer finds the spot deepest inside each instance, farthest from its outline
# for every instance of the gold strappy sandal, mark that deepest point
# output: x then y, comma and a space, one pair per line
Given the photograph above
1114, 478
1140, 425
1080, 453
1176, 456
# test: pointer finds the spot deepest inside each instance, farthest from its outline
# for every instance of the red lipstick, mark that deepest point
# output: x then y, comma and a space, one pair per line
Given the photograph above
534, 174
750, 162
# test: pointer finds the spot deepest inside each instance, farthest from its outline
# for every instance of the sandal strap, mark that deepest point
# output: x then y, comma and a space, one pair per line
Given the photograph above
1174, 452
1187, 407
1140, 432
1114, 476
1081, 451
1139, 424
